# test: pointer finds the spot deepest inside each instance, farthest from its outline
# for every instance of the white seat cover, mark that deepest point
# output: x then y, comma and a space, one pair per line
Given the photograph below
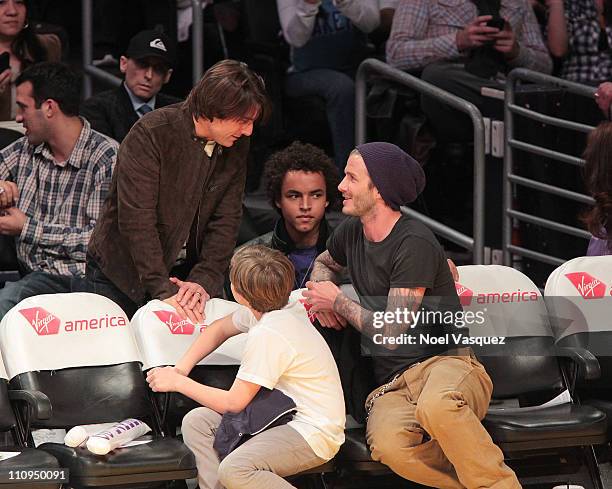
56, 331
163, 337
508, 300
579, 296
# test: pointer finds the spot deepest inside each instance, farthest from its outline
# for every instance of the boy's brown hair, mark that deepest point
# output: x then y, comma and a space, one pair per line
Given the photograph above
263, 276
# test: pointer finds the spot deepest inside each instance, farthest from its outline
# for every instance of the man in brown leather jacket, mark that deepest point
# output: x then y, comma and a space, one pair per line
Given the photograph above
177, 195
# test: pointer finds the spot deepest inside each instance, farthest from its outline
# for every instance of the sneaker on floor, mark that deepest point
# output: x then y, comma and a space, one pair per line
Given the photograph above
106, 60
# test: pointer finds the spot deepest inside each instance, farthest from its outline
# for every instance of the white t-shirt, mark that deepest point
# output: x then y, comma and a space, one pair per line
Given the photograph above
284, 351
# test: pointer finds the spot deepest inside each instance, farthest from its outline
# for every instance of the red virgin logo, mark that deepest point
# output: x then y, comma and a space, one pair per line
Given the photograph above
311, 314
175, 323
465, 294
588, 286
43, 322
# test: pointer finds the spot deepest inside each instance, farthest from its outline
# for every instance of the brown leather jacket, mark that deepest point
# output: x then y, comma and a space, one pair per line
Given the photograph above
163, 183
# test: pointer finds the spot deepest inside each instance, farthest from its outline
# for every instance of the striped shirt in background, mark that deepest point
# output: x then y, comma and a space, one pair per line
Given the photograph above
62, 201
425, 31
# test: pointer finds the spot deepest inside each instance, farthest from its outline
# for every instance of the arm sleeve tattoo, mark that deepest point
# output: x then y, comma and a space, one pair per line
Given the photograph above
403, 299
325, 268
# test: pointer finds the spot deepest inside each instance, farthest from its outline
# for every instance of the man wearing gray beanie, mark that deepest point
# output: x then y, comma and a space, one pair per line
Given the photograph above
424, 418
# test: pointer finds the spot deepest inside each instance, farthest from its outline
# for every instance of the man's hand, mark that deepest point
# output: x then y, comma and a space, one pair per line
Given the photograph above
476, 34
453, 269
321, 296
164, 379
329, 319
193, 315
603, 97
190, 294
506, 43
8, 194
12, 221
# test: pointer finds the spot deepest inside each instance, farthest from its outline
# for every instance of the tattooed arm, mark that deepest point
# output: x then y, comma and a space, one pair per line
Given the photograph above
399, 299
325, 268
326, 296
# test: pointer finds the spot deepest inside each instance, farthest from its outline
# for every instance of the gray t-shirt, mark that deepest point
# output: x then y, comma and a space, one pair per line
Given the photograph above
410, 256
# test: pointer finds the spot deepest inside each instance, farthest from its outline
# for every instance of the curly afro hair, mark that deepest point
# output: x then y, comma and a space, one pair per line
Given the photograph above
300, 157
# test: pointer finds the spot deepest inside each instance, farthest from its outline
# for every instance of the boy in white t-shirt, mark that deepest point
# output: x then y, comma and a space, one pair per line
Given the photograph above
283, 351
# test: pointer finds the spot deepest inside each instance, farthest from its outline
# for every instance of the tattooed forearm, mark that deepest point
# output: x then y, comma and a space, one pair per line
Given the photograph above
325, 268
399, 299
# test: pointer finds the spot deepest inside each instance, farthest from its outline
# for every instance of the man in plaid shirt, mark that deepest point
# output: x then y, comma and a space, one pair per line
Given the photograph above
52, 184
463, 46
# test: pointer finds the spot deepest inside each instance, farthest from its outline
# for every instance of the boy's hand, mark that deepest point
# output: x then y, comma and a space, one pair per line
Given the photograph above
164, 379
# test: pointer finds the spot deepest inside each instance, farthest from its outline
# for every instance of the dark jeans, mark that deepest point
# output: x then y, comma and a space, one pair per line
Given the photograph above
338, 91
37, 283
97, 283
450, 124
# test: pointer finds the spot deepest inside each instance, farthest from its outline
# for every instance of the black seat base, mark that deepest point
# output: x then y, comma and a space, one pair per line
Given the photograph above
162, 459
28, 459
566, 425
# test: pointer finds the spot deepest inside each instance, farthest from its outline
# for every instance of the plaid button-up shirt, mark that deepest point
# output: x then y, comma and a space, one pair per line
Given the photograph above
61, 201
425, 31
587, 61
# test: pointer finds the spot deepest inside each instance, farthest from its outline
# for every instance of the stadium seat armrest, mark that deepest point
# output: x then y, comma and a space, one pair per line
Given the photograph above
588, 365
39, 402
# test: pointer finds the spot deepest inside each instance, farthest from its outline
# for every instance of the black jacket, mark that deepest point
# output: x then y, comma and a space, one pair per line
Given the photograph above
112, 113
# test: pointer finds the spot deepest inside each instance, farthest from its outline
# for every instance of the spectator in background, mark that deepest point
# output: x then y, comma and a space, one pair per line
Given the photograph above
24, 47
456, 51
53, 182
147, 66
328, 41
579, 31
598, 178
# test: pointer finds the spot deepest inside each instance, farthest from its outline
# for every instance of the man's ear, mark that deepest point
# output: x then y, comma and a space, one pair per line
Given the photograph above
277, 204
167, 76
326, 203
123, 61
49, 107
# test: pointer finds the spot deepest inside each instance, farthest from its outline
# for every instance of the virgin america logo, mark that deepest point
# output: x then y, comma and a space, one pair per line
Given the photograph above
588, 286
175, 324
43, 322
465, 294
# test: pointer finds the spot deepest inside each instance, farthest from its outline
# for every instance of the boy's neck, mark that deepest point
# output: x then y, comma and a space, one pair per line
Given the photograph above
257, 314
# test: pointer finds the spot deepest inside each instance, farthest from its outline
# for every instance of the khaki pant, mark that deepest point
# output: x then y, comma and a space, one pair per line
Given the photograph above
259, 463
427, 428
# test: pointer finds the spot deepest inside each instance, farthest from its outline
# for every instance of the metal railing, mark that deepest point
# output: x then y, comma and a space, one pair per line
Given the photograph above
91, 71
511, 178
474, 243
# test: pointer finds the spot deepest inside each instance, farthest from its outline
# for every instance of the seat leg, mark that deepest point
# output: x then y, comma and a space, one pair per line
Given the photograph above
591, 462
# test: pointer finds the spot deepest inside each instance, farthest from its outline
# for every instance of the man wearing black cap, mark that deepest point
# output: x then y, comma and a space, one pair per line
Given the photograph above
147, 66
424, 418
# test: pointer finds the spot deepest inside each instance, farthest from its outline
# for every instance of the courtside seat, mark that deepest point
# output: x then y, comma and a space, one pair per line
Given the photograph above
79, 350
526, 367
579, 298
163, 337
28, 458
